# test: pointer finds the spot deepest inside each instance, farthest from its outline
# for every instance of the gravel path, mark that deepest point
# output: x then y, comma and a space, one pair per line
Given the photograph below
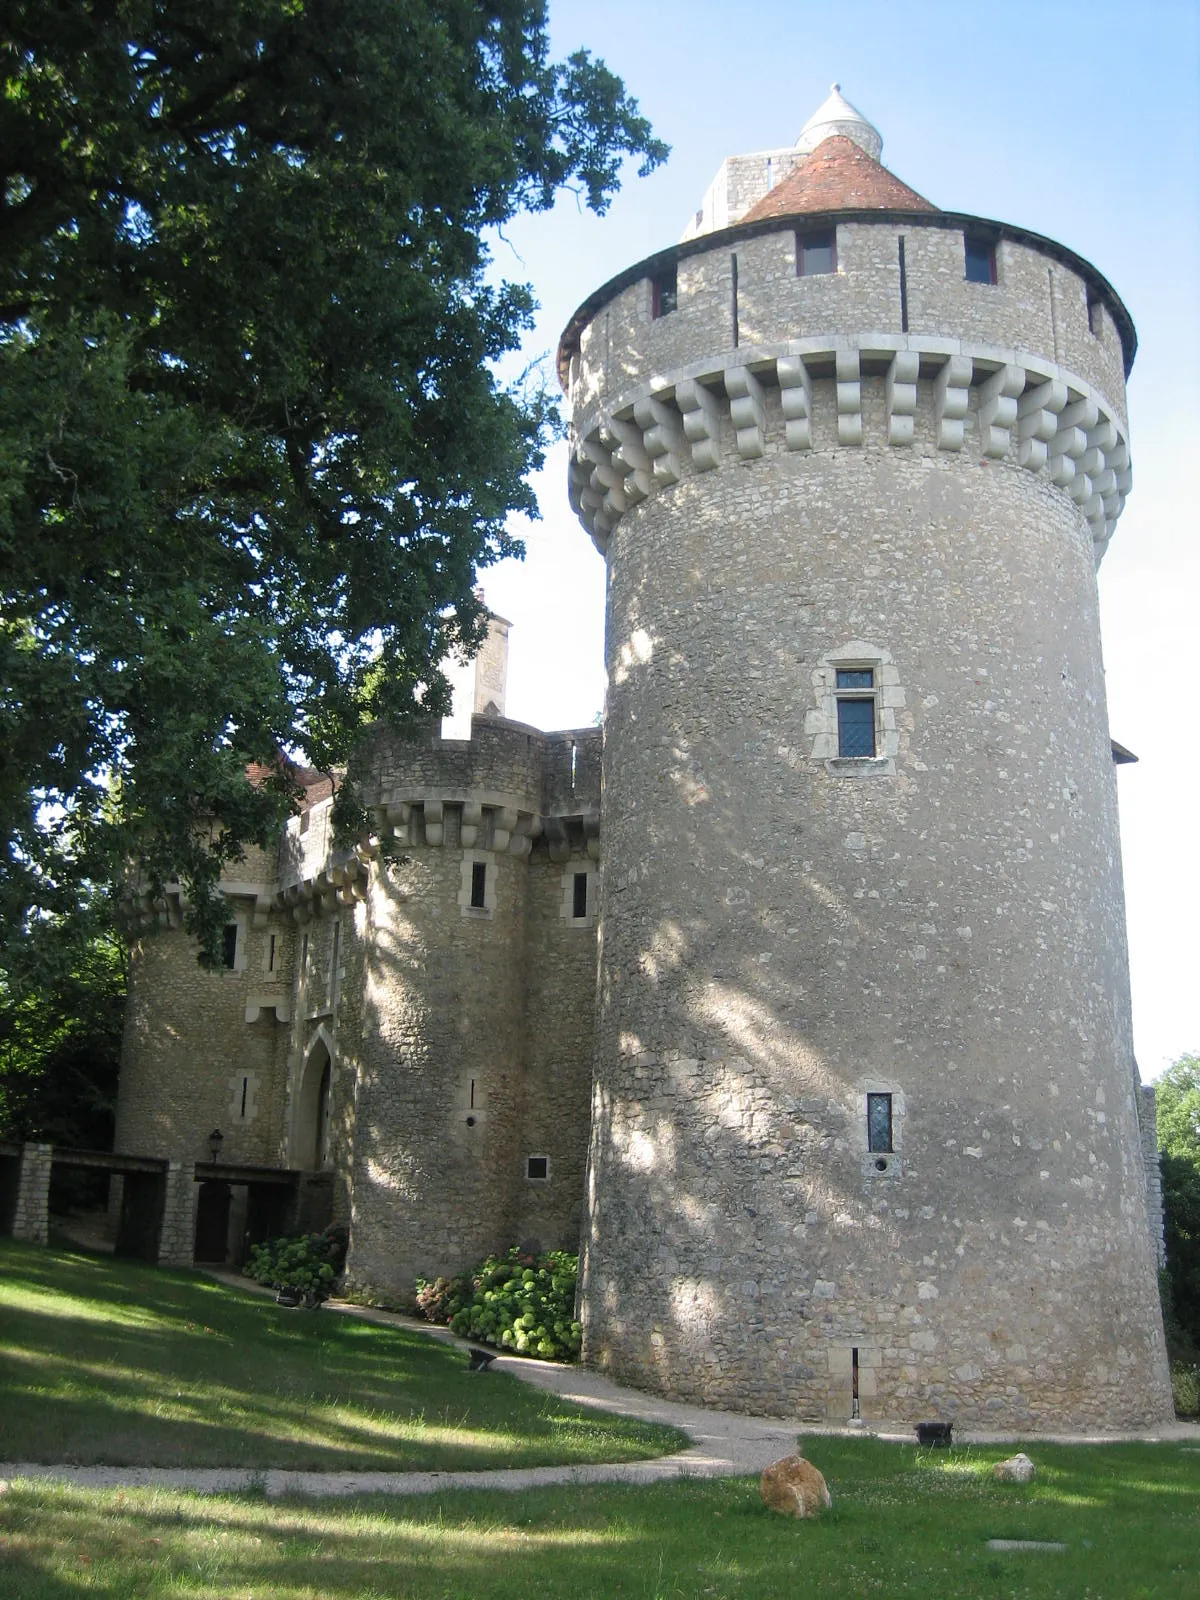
724, 1443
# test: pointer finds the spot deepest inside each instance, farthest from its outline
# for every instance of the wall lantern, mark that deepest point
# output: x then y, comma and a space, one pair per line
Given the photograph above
215, 1140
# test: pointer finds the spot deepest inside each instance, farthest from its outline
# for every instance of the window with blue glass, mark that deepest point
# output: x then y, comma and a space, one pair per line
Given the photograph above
879, 1123
980, 255
855, 712
816, 253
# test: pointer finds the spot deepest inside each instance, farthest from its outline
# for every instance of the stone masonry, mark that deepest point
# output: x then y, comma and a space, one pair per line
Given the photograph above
820, 1044
31, 1215
897, 472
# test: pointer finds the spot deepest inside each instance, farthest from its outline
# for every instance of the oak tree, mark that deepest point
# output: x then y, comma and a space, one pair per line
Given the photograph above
253, 450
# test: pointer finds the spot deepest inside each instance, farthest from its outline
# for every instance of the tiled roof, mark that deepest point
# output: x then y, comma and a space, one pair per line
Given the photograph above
837, 176
315, 785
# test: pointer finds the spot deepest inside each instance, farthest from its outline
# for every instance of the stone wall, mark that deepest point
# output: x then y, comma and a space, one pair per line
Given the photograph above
191, 1062
558, 1030
784, 933
1037, 304
438, 1092
31, 1213
178, 1231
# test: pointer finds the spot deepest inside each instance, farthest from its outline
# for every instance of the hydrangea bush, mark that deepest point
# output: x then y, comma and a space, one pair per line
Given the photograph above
517, 1301
306, 1266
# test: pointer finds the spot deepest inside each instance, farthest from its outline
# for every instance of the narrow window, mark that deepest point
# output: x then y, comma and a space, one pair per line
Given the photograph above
879, 1123
335, 951
537, 1168
980, 254
1094, 314
816, 253
229, 945
271, 954
733, 296
903, 288
478, 883
304, 957
245, 1090
472, 1094
579, 896
854, 1411
664, 287
574, 764
855, 712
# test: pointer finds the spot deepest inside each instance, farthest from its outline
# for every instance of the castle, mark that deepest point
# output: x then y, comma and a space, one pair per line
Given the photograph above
799, 996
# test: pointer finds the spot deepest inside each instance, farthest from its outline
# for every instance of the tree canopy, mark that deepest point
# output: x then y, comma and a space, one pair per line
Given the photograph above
253, 451
1177, 1108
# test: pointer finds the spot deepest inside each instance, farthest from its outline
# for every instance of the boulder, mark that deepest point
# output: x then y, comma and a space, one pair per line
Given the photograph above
1017, 1469
795, 1488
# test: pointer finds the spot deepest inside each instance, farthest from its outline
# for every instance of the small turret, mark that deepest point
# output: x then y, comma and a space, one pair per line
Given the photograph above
837, 116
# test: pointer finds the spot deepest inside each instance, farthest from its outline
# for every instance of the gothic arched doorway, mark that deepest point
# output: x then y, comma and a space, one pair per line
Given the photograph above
310, 1139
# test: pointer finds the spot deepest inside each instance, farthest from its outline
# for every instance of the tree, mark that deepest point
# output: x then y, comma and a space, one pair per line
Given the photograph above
253, 452
1177, 1105
62, 1008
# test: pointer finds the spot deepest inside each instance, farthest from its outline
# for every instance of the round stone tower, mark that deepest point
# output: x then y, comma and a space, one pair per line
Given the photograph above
864, 1129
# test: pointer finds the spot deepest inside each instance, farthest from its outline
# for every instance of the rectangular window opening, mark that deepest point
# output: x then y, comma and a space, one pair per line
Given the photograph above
1095, 315
574, 764
879, 1123
245, 1090
271, 955
854, 1411
816, 253
478, 883
229, 945
903, 289
856, 677
980, 255
856, 728
537, 1168
664, 292
579, 895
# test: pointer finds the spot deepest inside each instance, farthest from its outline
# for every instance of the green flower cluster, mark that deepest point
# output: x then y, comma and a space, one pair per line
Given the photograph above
306, 1266
519, 1302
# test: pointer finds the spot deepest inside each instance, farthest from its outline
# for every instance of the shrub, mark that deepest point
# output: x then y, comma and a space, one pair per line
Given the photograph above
1185, 1387
519, 1302
438, 1301
305, 1265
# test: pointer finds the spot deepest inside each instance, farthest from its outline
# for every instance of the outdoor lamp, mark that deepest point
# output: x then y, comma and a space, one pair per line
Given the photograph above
215, 1140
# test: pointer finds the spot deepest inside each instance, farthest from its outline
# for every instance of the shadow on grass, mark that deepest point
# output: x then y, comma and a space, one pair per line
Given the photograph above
118, 1363
899, 1524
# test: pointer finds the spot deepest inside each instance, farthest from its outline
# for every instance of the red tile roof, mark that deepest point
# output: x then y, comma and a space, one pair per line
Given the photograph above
837, 176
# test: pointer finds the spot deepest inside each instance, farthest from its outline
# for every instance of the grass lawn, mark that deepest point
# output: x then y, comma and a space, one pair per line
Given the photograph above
105, 1361
904, 1522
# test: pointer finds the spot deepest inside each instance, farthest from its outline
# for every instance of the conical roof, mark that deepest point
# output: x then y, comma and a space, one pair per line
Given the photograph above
837, 176
838, 116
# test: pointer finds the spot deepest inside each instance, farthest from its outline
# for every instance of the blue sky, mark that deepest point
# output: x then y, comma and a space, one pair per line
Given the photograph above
1077, 120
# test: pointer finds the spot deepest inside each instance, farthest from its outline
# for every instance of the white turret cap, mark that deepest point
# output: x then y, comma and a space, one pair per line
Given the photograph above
837, 115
